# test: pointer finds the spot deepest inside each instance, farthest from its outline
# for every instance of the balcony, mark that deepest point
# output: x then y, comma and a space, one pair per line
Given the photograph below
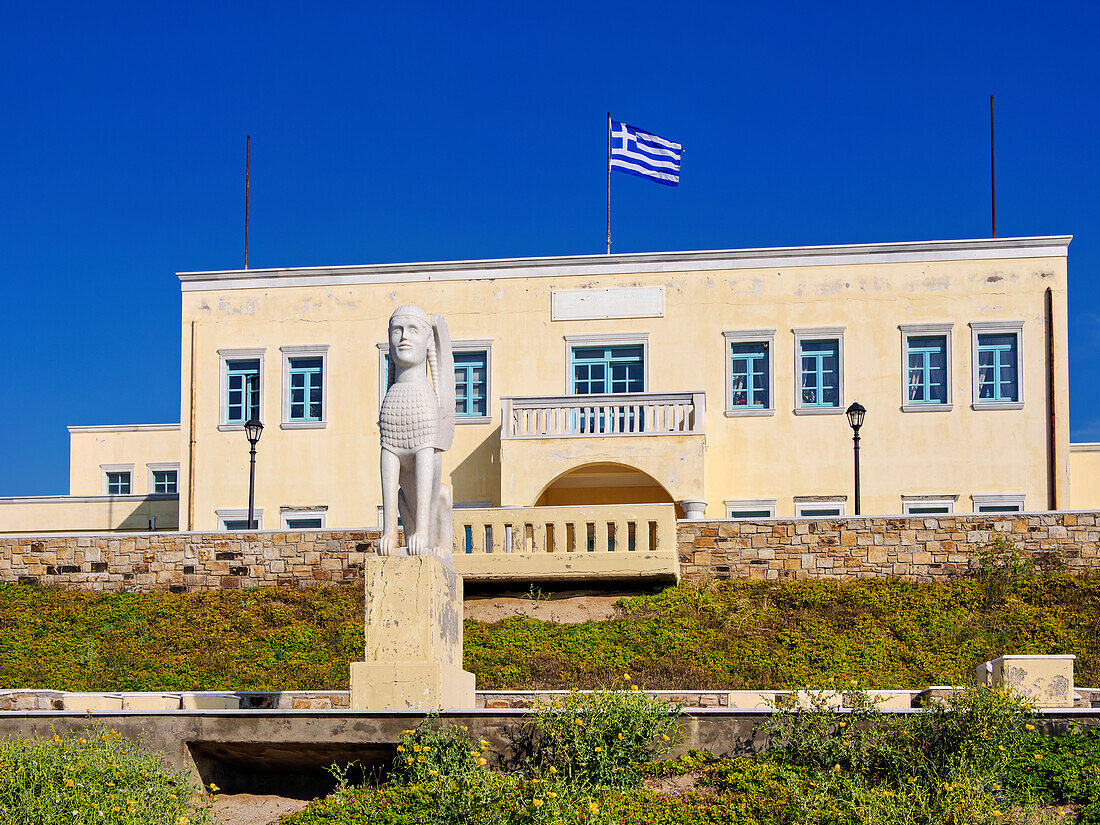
586, 416
629, 448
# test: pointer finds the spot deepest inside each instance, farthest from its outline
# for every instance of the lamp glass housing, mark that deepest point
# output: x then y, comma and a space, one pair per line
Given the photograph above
253, 429
855, 414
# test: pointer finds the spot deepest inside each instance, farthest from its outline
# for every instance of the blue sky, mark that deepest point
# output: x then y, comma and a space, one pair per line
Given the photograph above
427, 131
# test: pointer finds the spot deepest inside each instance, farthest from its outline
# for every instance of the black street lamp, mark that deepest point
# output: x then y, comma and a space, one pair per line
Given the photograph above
253, 429
855, 414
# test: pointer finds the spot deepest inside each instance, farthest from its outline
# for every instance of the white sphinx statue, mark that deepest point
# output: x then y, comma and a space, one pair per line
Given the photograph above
417, 423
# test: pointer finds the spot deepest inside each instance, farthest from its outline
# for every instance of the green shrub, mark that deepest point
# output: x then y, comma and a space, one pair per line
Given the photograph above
93, 777
602, 738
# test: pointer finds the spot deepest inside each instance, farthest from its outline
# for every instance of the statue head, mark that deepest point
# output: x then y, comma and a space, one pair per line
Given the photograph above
410, 336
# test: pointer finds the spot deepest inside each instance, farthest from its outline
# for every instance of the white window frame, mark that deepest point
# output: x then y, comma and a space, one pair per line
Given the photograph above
814, 334
734, 505
939, 500
304, 351
224, 356
117, 468
464, 345
606, 339
997, 328
239, 514
750, 336
917, 330
839, 502
998, 500
286, 513
161, 466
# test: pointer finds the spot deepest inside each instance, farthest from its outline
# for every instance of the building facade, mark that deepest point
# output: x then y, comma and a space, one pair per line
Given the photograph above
717, 381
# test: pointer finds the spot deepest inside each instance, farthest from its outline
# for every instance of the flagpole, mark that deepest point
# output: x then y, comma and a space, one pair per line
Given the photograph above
247, 171
992, 177
609, 183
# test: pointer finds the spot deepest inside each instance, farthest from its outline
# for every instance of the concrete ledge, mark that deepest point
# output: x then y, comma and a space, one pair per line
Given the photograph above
561, 567
286, 751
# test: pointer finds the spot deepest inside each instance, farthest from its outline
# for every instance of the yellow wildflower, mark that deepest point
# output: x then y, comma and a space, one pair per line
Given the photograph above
598, 749
400, 749
593, 807
666, 737
626, 676
537, 803
842, 724
1000, 747
620, 736
482, 761
552, 795
634, 687
553, 769
1029, 727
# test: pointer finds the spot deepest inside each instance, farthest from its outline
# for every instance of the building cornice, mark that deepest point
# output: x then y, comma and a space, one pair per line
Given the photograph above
124, 428
1050, 246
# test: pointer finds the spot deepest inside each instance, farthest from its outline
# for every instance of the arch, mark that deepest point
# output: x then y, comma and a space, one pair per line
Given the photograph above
603, 483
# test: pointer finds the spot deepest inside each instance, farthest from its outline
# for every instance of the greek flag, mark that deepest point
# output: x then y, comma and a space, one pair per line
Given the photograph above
640, 153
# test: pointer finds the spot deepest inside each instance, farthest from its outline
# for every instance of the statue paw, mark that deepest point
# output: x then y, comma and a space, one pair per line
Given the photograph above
387, 545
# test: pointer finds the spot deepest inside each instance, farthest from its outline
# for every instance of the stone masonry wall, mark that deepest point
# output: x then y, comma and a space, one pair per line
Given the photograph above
920, 548
186, 561
925, 548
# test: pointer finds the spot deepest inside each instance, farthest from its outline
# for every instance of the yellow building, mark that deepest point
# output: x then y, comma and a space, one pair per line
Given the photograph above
717, 380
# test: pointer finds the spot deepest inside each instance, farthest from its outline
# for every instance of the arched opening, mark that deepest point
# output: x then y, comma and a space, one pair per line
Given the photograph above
603, 483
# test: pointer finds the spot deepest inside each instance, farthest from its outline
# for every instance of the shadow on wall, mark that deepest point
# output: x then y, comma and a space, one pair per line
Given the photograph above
89, 514
477, 478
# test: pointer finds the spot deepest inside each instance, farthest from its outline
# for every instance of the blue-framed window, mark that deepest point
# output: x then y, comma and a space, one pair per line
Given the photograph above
819, 363
164, 482
750, 371
306, 377
750, 514
926, 360
311, 523
118, 482
242, 390
471, 384
998, 367
241, 524
606, 369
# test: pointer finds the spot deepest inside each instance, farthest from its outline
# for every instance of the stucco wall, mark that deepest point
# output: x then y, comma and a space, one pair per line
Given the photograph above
140, 444
87, 514
960, 452
1084, 473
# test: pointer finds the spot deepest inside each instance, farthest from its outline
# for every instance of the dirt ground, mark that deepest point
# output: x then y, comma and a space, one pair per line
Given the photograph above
254, 809
568, 607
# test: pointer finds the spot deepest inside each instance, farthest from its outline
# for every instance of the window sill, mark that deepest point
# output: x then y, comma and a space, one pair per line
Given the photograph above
473, 419
231, 428
919, 408
818, 411
750, 413
302, 425
999, 405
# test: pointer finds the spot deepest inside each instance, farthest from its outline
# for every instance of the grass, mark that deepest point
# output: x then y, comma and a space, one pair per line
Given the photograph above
733, 634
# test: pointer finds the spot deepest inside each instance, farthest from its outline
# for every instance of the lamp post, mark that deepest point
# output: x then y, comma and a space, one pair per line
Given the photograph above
855, 413
253, 429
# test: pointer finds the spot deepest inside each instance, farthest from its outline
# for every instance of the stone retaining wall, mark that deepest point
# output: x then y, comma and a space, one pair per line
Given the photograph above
925, 548
920, 548
186, 561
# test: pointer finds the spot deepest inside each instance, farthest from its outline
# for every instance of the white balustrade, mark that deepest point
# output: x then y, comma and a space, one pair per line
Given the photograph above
620, 414
613, 528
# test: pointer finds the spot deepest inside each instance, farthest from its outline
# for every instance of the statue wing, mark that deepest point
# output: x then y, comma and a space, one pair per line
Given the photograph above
444, 382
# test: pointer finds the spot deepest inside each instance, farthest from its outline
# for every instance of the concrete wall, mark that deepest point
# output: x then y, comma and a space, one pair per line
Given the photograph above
928, 548
135, 444
936, 548
1084, 473
867, 290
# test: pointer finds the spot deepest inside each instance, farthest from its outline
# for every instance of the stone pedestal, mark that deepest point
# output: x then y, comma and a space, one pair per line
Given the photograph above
413, 652
1045, 680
